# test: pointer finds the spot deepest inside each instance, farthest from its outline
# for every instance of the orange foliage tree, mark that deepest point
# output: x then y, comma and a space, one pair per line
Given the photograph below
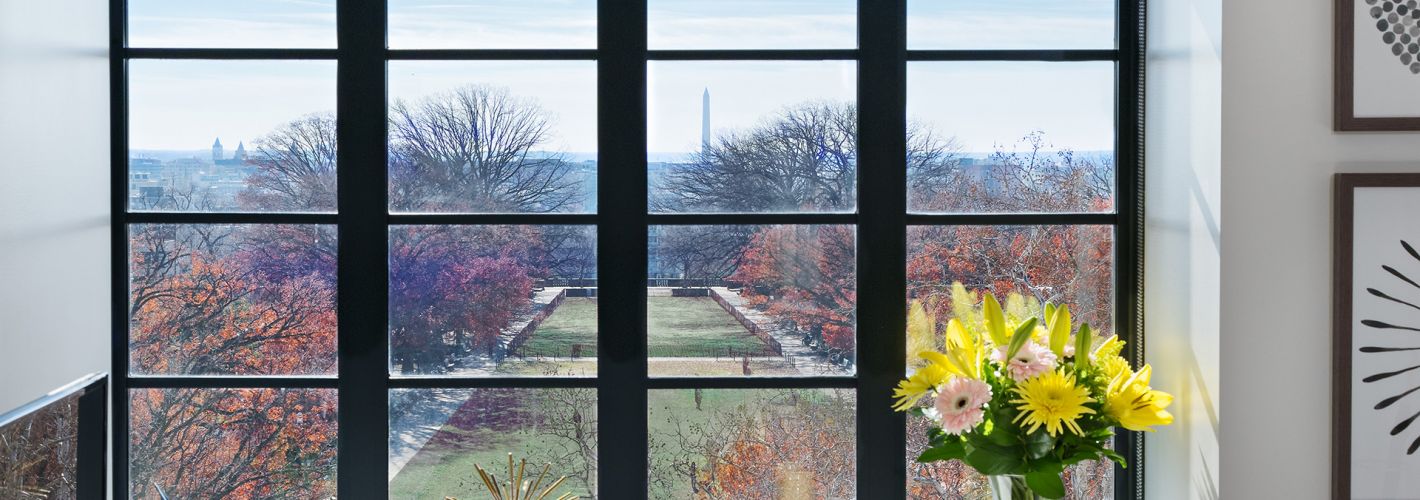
804, 276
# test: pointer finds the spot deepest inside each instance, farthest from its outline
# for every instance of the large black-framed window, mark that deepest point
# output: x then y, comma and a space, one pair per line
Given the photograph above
357, 383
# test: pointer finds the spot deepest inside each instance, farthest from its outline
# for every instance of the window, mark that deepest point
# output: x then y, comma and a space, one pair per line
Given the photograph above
428, 231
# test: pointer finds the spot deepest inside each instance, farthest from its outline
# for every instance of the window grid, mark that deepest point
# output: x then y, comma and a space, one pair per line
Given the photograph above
363, 381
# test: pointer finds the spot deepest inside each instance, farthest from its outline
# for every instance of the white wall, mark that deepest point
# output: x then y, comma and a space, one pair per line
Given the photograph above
54, 216
1182, 233
1278, 157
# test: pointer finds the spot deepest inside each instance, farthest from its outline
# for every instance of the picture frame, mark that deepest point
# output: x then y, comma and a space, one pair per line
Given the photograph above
1377, 65
1375, 302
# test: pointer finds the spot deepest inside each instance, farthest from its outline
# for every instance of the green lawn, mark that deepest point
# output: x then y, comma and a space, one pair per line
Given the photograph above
572, 323
696, 326
677, 326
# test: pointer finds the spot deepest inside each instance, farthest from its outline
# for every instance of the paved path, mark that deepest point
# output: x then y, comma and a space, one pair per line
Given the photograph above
418, 423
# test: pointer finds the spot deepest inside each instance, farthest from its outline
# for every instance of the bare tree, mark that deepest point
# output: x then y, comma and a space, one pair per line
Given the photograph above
1031, 176
702, 253
804, 158
294, 167
477, 148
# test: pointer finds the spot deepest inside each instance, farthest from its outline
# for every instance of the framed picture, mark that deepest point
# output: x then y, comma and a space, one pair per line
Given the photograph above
1376, 337
1377, 65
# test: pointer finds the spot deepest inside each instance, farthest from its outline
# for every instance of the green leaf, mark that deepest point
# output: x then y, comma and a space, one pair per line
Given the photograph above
1039, 444
1060, 330
1046, 482
995, 320
1018, 340
990, 461
1083, 341
1116, 457
948, 451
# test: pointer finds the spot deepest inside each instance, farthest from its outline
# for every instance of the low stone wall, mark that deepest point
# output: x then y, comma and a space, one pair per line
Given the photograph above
527, 330
690, 292
754, 328
580, 292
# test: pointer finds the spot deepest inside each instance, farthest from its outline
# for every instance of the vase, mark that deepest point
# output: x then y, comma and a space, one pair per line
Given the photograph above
1006, 487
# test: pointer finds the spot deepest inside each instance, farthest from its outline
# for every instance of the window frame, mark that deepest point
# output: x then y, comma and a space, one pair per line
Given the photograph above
881, 222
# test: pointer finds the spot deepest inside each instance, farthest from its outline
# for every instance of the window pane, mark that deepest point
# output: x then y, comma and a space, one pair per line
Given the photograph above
493, 300
40, 450
1010, 24
437, 436
1061, 264
483, 137
991, 137
232, 443
745, 24
755, 443
492, 24
751, 300
230, 24
232, 299
752, 136
207, 136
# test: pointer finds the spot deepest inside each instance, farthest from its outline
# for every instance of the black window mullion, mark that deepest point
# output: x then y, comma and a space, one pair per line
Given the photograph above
882, 239
1129, 232
621, 249
118, 242
363, 272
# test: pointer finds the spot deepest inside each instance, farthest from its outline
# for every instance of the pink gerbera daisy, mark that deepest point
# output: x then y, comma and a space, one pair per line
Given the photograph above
1032, 359
959, 404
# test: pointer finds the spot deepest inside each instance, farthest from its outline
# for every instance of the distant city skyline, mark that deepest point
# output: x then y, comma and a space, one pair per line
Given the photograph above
177, 104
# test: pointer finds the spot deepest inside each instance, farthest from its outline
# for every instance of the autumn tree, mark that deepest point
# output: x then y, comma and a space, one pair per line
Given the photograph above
700, 254
453, 289
477, 148
232, 443
786, 443
804, 275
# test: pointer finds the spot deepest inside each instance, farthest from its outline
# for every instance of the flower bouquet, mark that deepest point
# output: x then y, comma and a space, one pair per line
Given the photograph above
1019, 395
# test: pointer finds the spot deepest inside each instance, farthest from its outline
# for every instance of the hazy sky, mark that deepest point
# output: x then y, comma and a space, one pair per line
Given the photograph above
184, 104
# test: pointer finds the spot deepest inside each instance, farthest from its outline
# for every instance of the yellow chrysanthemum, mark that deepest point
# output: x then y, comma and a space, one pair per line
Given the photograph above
1052, 400
1112, 366
1137, 407
921, 382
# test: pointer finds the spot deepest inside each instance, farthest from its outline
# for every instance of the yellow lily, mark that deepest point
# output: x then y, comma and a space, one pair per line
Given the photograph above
1130, 401
922, 381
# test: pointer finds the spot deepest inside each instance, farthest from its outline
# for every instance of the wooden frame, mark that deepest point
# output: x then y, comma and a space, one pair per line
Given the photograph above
1343, 233
1345, 119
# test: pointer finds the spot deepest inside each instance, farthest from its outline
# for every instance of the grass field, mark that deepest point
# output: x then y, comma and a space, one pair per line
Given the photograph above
677, 327
572, 323
493, 423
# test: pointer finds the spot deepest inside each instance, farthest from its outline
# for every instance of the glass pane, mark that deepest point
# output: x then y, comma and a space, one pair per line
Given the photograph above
229, 24
991, 137
438, 436
784, 136
1010, 24
483, 137
1061, 264
493, 300
232, 299
753, 443
232, 443
41, 451
208, 136
751, 300
752, 24
492, 24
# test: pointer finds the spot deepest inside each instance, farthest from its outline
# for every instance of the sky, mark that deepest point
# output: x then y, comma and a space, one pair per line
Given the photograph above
185, 104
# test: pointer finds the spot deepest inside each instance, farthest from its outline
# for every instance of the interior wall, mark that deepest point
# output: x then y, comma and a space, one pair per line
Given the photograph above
1279, 154
1182, 233
54, 213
